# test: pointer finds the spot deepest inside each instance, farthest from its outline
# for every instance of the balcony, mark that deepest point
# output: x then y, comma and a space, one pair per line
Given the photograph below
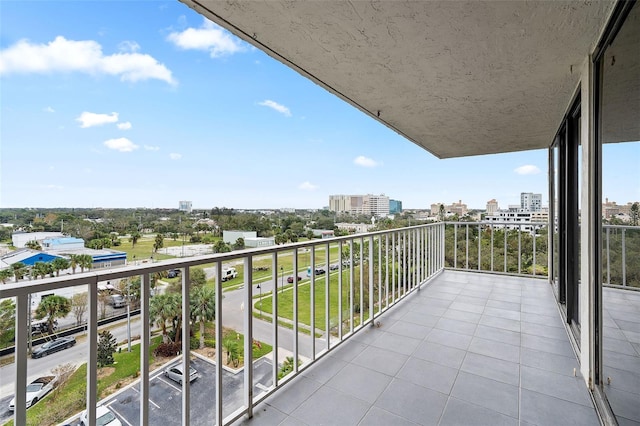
418, 332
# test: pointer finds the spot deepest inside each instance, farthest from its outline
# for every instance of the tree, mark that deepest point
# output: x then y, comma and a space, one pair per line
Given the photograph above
7, 322
203, 307
79, 306
221, 247
85, 261
160, 311
441, 213
60, 264
197, 277
5, 274
158, 243
33, 245
239, 244
53, 307
230, 346
39, 269
309, 235
74, 261
634, 213
106, 348
19, 270
135, 236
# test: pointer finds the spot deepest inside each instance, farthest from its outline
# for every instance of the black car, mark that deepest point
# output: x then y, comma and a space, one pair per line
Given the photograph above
290, 279
173, 273
52, 346
320, 271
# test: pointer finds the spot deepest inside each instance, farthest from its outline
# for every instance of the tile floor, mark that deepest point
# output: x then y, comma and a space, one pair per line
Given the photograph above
467, 349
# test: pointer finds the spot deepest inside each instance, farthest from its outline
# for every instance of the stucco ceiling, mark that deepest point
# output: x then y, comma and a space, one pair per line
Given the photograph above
458, 78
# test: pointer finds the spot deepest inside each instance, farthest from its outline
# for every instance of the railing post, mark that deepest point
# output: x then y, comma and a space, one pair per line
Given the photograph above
505, 248
219, 350
534, 250
379, 274
327, 298
491, 230
479, 247
466, 246
351, 290
519, 249
186, 348
145, 344
295, 310
371, 307
393, 267
386, 267
274, 318
624, 258
92, 361
248, 335
21, 336
608, 259
455, 246
312, 300
340, 292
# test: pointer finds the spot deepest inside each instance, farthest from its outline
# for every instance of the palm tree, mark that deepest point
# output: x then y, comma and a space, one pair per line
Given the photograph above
5, 274
74, 261
135, 236
85, 261
203, 307
53, 307
160, 311
221, 247
158, 243
175, 306
33, 245
19, 269
39, 269
60, 264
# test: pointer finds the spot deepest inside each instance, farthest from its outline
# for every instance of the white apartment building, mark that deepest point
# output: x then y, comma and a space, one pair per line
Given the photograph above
530, 201
492, 207
184, 206
375, 205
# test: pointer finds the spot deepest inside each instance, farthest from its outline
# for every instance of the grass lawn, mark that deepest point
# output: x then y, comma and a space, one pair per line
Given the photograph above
144, 249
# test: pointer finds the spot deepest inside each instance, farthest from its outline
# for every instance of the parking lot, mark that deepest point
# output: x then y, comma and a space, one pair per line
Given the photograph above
165, 395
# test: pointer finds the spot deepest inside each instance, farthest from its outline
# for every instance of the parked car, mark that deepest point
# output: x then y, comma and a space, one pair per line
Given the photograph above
334, 267
229, 274
290, 279
175, 373
173, 273
104, 417
42, 326
320, 271
117, 301
36, 390
52, 346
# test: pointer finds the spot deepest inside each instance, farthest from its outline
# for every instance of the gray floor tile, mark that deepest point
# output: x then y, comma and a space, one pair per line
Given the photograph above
416, 403
627, 381
624, 404
394, 342
471, 317
379, 417
504, 297
325, 369
291, 396
498, 334
382, 360
620, 346
409, 329
440, 354
360, 382
543, 330
458, 412
543, 410
492, 368
456, 326
498, 322
420, 318
502, 313
501, 304
545, 344
495, 349
322, 408
292, 421
551, 362
449, 338
348, 350
463, 298
467, 307
541, 319
569, 388
487, 393
428, 374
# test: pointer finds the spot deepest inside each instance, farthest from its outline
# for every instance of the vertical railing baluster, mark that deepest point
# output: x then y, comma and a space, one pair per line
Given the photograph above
360, 280
405, 263
21, 338
219, 329
386, 267
534, 250
248, 336
92, 361
479, 247
340, 292
455, 246
505, 248
379, 274
145, 345
519, 248
466, 246
371, 304
393, 267
295, 310
608, 259
274, 318
491, 230
624, 258
351, 289
186, 348
327, 297
312, 300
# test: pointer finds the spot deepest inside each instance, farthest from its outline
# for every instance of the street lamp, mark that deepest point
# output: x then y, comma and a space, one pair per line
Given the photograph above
281, 279
260, 302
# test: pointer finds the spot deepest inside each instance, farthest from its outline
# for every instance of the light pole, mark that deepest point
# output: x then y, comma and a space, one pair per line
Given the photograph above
281, 279
260, 302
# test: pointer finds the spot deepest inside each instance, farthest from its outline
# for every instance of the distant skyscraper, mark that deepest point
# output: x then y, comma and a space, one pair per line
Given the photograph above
185, 206
492, 206
377, 205
395, 206
530, 201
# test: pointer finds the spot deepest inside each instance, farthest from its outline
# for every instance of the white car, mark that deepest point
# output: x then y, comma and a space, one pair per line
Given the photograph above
175, 373
36, 390
104, 417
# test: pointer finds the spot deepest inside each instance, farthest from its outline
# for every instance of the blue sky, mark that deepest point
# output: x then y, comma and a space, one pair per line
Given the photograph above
143, 104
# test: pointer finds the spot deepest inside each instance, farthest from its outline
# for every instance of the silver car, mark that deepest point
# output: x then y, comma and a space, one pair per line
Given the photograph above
175, 373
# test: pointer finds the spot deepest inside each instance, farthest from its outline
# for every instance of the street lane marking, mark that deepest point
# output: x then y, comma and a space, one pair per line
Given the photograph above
157, 406
169, 383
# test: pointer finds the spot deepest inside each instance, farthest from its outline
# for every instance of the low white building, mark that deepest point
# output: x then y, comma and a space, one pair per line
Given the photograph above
358, 228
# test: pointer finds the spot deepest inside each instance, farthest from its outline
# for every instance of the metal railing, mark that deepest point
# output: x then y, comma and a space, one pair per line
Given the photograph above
499, 247
621, 256
364, 276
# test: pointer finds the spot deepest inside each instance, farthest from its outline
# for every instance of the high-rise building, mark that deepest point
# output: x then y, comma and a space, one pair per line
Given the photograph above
184, 206
376, 205
492, 206
458, 208
530, 201
395, 206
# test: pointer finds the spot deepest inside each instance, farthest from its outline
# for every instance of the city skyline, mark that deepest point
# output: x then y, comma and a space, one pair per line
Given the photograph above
103, 109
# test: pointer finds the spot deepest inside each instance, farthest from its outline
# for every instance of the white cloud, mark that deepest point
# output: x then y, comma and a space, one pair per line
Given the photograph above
49, 109
210, 38
365, 161
276, 106
151, 148
128, 46
62, 55
307, 186
91, 119
175, 156
124, 126
527, 169
121, 144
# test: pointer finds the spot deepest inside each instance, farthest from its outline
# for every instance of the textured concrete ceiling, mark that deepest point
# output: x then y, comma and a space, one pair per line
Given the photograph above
457, 78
